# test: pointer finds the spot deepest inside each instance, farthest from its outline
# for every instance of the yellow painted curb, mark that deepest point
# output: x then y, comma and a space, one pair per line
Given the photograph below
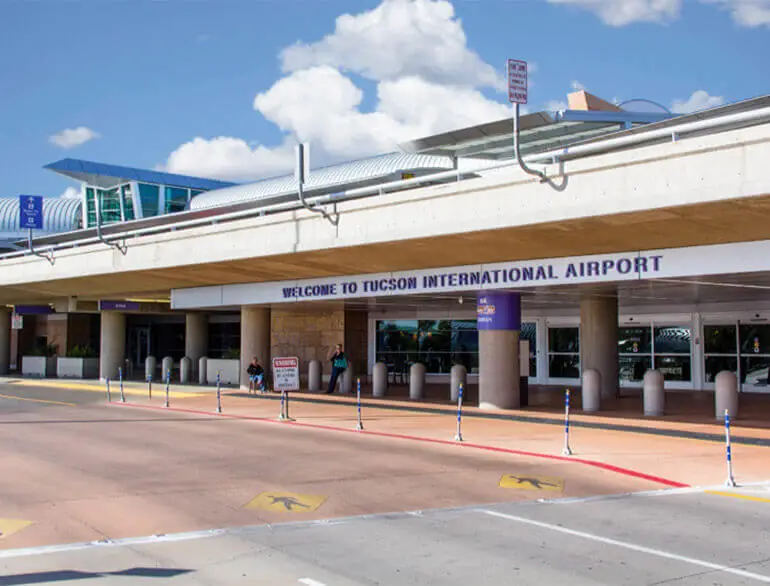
737, 495
114, 388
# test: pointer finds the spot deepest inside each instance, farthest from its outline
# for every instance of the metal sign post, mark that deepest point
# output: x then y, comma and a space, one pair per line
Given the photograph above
730, 480
122, 394
285, 379
149, 386
109, 395
31, 218
567, 451
168, 383
518, 93
459, 434
360, 424
219, 392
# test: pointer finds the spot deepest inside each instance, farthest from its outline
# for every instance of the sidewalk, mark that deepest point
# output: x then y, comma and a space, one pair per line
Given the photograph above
671, 452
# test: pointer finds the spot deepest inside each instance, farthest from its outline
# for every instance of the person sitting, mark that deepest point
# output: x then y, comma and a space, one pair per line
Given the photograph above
256, 376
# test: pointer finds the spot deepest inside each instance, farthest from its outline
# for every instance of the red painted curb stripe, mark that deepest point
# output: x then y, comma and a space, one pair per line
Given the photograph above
593, 463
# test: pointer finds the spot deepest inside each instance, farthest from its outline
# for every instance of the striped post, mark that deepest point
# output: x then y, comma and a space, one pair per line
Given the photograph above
168, 383
360, 424
730, 480
149, 386
109, 395
219, 392
567, 451
282, 416
122, 394
459, 434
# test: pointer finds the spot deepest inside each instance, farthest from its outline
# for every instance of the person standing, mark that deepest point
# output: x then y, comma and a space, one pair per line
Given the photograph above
339, 364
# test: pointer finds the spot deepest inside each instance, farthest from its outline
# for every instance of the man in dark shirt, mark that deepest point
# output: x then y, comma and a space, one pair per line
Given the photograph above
256, 376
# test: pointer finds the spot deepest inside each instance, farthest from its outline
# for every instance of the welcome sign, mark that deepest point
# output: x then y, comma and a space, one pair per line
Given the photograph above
670, 263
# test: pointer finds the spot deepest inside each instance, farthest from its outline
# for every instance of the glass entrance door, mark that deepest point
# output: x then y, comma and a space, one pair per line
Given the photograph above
139, 347
755, 357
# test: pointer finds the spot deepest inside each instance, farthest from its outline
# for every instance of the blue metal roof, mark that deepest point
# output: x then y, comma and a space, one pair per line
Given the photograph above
60, 214
105, 175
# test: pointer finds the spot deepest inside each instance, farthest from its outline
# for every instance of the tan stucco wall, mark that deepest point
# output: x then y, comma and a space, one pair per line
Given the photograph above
311, 333
307, 334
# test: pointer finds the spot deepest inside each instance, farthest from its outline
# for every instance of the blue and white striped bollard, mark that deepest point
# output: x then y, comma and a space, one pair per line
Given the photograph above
109, 395
168, 383
459, 434
219, 392
149, 386
360, 424
567, 451
730, 480
122, 394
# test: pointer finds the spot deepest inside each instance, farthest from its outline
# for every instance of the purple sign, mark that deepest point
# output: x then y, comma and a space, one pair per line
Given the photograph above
498, 310
32, 309
118, 306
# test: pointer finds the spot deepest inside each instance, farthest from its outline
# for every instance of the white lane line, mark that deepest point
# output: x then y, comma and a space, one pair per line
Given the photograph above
310, 582
631, 546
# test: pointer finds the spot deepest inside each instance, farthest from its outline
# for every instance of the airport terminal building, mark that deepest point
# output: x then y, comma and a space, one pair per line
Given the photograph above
598, 239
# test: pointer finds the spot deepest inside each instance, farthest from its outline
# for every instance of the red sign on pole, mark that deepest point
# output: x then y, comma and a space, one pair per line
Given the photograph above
517, 81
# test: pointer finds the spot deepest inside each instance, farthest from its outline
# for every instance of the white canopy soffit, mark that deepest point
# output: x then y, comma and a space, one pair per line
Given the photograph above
673, 263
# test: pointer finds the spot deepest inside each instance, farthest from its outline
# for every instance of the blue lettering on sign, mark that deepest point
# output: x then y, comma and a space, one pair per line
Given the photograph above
608, 268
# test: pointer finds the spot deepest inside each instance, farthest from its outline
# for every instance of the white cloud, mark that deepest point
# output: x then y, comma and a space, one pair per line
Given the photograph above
70, 192
749, 13
72, 137
399, 38
699, 100
555, 106
427, 81
623, 12
228, 158
577, 86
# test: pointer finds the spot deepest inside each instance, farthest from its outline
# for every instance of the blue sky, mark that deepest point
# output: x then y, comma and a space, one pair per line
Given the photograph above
208, 88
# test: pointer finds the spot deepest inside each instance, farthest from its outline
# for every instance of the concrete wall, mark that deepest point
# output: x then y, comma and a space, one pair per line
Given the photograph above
307, 334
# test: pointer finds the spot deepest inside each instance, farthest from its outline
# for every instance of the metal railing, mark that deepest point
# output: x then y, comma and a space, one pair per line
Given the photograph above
672, 133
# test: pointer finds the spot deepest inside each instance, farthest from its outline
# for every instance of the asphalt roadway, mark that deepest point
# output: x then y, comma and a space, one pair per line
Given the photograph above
114, 495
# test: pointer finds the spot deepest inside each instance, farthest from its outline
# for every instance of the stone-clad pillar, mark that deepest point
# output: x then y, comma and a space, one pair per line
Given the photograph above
499, 325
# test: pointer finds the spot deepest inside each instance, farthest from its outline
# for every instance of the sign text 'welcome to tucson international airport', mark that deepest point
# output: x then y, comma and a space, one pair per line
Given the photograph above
506, 275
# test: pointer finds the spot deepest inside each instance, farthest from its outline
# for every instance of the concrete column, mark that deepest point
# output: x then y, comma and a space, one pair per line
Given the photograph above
380, 379
459, 376
654, 394
599, 339
499, 323
255, 339
112, 353
185, 370
167, 365
591, 391
5, 340
726, 394
314, 377
196, 336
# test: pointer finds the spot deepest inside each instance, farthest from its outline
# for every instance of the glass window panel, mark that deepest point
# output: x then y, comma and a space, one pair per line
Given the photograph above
754, 370
674, 368
563, 339
128, 203
632, 367
398, 341
672, 340
394, 325
529, 332
109, 205
223, 337
90, 207
564, 366
636, 340
194, 192
148, 195
719, 339
175, 199
755, 339
716, 364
